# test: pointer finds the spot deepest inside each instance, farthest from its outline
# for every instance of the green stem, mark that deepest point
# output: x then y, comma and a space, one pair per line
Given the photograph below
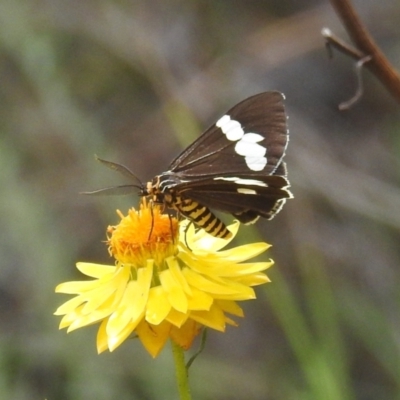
182, 377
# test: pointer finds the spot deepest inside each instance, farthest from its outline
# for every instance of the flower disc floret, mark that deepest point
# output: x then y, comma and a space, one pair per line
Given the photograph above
143, 235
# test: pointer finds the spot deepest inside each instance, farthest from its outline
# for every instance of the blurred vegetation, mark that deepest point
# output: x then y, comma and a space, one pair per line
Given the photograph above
135, 82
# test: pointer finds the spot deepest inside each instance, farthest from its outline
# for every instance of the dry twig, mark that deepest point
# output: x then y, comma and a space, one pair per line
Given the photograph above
366, 51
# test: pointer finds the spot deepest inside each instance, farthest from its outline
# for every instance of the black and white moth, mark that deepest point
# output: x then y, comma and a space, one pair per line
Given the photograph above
236, 166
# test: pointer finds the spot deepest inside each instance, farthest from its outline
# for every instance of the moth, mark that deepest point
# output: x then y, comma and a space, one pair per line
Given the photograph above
236, 166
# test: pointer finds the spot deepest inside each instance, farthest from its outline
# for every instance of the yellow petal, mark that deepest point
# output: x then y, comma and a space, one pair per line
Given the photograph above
115, 341
144, 278
214, 318
238, 270
253, 279
126, 311
175, 294
70, 305
76, 287
71, 317
177, 318
81, 287
153, 337
207, 285
176, 272
65, 322
223, 268
230, 321
96, 298
199, 300
95, 270
230, 307
132, 306
101, 341
110, 298
79, 321
203, 240
219, 288
122, 315
243, 253
158, 306
185, 335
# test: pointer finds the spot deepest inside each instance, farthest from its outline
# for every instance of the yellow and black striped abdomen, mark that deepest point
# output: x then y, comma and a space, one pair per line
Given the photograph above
202, 217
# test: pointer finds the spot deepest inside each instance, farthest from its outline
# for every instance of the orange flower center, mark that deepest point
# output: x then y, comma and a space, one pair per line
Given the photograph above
142, 235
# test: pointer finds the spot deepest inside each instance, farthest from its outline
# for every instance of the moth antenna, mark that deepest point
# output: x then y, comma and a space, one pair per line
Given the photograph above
120, 189
121, 169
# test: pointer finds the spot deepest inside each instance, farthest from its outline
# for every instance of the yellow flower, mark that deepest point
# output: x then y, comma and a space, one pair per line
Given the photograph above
168, 281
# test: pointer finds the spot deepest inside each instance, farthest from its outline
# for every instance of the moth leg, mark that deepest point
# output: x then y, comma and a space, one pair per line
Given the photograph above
152, 220
171, 228
186, 230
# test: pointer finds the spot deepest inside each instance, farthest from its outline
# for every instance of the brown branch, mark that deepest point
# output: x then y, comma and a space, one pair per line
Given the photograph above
379, 64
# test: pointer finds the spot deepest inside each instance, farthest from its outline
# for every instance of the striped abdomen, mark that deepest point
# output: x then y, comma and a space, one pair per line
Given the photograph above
202, 217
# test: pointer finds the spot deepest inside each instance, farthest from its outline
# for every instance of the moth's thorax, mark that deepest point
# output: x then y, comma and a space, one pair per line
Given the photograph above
167, 181
160, 191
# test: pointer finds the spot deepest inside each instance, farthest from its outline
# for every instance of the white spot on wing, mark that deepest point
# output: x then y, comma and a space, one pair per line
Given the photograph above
223, 178
222, 121
253, 137
246, 191
234, 131
231, 128
246, 146
256, 163
241, 181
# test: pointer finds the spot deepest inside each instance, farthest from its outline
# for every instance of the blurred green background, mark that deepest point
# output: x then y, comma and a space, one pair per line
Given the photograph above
136, 81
